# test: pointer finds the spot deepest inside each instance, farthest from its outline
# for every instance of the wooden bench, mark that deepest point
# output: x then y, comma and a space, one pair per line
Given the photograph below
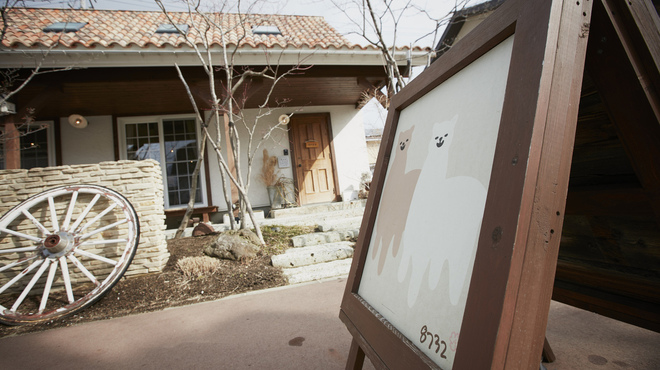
204, 211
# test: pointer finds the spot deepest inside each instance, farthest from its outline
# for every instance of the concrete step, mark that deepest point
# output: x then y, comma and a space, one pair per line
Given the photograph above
319, 271
307, 240
347, 207
296, 257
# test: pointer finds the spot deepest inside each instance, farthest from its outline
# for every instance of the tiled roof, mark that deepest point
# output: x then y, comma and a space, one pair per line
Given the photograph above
119, 28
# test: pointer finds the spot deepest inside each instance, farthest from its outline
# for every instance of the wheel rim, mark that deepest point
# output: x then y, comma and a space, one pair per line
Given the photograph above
62, 249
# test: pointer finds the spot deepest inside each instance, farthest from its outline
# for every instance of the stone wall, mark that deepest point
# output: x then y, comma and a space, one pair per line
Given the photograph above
139, 181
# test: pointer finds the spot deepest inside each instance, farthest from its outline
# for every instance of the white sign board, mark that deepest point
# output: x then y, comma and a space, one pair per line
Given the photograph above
424, 240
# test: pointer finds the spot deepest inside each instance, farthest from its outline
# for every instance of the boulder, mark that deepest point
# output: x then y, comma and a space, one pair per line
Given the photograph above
236, 245
202, 229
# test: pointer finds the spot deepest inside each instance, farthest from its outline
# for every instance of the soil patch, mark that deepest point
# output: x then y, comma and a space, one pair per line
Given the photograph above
170, 288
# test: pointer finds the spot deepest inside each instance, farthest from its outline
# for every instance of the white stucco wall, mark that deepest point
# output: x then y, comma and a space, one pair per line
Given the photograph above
93, 144
348, 140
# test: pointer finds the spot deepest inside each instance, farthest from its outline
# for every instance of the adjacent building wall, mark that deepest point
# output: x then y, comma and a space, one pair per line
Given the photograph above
139, 181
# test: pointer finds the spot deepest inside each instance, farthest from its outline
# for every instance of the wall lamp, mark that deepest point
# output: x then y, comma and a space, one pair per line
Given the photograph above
77, 121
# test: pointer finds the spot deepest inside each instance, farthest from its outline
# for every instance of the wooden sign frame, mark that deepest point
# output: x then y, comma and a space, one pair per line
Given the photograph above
511, 284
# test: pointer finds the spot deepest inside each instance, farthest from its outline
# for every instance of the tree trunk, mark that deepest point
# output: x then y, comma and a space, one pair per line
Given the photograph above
193, 191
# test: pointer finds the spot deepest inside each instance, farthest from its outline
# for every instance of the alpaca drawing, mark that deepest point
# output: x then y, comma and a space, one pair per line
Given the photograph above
395, 202
443, 222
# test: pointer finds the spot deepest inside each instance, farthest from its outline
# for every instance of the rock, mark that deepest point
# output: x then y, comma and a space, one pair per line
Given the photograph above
234, 245
202, 229
324, 228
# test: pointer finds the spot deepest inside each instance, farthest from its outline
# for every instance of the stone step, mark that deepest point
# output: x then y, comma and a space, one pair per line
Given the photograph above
296, 257
319, 271
355, 206
307, 240
339, 224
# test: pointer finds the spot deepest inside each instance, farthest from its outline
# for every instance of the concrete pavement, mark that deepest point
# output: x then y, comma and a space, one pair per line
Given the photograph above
294, 327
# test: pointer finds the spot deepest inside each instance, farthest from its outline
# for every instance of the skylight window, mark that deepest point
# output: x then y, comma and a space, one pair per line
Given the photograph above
266, 30
65, 27
170, 28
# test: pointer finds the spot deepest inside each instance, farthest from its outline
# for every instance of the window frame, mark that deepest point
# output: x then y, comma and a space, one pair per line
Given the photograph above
121, 134
50, 141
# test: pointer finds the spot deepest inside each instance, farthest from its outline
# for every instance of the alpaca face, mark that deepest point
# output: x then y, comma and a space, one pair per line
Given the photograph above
442, 134
440, 140
403, 144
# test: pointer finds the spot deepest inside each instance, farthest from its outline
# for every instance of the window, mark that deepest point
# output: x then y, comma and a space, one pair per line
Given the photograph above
173, 142
37, 146
266, 30
65, 27
170, 28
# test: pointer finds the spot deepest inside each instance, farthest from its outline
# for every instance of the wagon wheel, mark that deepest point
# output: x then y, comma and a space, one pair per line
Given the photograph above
62, 250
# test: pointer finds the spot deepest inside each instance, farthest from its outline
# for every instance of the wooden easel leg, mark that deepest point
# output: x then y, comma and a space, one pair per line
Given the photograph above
355, 357
548, 355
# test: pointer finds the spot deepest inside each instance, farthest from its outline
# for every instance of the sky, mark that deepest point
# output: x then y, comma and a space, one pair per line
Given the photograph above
343, 18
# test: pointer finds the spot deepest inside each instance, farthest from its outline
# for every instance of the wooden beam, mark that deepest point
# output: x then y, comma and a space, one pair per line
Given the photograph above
614, 200
618, 307
634, 113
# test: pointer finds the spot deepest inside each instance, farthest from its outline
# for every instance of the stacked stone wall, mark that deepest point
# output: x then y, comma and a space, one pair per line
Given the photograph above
139, 181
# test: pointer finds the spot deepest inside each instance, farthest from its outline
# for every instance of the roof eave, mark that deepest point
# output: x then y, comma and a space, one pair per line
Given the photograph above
23, 57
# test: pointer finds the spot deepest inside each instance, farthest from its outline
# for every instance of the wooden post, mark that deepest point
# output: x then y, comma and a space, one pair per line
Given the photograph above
355, 357
12, 144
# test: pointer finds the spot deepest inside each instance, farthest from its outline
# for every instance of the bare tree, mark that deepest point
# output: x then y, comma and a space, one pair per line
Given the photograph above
379, 22
229, 94
13, 80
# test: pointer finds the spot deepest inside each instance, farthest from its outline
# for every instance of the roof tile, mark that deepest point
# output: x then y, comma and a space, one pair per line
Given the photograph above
108, 28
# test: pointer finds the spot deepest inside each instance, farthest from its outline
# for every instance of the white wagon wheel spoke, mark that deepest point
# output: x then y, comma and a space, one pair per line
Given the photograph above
96, 257
69, 212
98, 217
86, 236
17, 250
27, 289
67, 279
82, 268
38, 224
85, 212
53, 214
20, 235
18, 262
49, 284
32, 240
20, 275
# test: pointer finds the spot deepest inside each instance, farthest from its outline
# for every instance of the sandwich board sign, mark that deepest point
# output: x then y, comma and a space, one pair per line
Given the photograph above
455, 261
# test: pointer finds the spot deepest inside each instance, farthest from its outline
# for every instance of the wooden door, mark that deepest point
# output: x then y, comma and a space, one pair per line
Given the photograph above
313, 158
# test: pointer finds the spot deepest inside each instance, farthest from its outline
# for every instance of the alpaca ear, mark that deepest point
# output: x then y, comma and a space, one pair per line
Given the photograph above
454, 120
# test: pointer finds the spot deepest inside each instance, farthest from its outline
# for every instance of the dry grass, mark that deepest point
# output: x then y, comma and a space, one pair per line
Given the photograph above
278, 238
269, 175
196, 267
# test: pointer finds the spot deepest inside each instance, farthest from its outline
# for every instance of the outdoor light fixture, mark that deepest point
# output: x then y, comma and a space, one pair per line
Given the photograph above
77, 121
284, 119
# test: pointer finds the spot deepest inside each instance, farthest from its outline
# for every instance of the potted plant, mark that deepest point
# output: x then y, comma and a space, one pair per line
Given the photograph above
275, 183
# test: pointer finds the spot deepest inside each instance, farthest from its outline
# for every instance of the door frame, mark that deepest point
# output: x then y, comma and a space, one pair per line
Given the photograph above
292, 141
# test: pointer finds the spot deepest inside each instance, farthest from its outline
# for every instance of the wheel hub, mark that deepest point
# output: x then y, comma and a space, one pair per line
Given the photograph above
59, 244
